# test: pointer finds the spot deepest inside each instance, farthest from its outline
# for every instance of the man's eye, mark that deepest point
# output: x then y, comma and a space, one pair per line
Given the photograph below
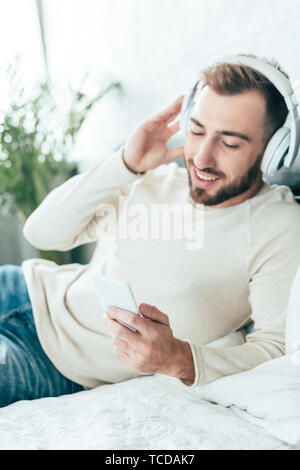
231, 146
226, 145
196, 133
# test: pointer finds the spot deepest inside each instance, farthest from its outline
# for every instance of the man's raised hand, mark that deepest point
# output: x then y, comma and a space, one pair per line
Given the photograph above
146, 148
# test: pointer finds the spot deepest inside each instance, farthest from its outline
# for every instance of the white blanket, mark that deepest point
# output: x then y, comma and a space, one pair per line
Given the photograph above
156, 412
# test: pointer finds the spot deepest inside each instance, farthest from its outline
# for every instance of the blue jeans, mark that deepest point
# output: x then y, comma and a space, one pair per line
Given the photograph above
26, 372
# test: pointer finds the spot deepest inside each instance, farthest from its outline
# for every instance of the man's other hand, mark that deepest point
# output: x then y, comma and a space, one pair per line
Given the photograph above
152, 348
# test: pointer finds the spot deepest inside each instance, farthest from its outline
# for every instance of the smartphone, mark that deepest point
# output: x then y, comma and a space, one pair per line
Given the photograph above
116, 293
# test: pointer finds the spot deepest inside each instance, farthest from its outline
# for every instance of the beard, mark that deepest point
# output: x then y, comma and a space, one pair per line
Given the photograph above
237, 187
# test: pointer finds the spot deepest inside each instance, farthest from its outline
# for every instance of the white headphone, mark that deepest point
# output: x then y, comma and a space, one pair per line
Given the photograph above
282, 149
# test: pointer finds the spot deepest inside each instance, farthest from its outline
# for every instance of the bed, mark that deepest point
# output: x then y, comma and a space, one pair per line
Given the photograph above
257, 409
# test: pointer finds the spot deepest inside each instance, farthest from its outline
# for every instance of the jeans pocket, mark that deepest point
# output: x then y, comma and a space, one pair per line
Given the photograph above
21, 318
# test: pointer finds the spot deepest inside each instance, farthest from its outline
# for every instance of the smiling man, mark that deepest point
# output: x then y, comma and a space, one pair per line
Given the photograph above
240, 276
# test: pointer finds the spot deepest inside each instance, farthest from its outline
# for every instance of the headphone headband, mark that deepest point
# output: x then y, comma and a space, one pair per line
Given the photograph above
279, 80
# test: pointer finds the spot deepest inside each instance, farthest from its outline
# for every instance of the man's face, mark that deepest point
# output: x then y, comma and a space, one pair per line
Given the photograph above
225, 142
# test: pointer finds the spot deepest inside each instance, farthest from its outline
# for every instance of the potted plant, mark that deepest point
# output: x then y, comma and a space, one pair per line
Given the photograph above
36, 138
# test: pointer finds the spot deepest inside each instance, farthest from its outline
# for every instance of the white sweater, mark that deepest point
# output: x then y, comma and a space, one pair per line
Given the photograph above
243, 272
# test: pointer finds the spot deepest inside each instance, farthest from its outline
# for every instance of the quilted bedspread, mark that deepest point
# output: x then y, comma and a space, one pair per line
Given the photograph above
157, 412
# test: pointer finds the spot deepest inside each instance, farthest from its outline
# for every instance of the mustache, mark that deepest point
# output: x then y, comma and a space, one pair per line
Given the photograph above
205, 170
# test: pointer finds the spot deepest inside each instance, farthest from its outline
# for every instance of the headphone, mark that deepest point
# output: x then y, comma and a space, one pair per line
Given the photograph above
282, 148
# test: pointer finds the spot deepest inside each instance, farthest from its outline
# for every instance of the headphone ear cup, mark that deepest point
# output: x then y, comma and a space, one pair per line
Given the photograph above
275, 151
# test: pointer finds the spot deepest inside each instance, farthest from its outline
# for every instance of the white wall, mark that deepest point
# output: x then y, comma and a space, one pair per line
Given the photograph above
156, 49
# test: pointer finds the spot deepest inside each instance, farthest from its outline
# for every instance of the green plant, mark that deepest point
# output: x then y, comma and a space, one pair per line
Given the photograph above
36, 138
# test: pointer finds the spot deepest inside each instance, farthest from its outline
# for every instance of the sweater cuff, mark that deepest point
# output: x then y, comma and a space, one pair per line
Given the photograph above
115, 166
131, 171
198, 366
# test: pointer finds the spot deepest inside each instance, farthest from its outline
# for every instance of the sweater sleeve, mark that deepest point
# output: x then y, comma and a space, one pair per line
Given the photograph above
273, 264
69, 214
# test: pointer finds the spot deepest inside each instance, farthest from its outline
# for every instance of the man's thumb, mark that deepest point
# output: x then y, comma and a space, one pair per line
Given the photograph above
153, 313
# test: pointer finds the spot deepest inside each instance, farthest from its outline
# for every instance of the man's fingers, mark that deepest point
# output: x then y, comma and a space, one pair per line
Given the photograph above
174, 128
120, 344
154, 314
169, 113
117, 328
130, 318
174, 153
175, 105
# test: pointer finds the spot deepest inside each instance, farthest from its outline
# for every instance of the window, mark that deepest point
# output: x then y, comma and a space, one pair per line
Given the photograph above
20, 36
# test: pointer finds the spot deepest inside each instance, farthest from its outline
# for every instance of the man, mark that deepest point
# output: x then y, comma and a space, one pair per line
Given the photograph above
187, 297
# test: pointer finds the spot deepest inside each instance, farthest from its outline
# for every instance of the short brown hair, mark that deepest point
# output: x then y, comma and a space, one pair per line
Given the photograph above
232, 79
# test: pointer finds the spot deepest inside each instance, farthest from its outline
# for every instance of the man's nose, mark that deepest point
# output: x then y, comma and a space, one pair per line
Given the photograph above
204, 156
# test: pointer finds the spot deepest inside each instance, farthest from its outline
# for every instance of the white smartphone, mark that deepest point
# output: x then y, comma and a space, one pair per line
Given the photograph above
116, 293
